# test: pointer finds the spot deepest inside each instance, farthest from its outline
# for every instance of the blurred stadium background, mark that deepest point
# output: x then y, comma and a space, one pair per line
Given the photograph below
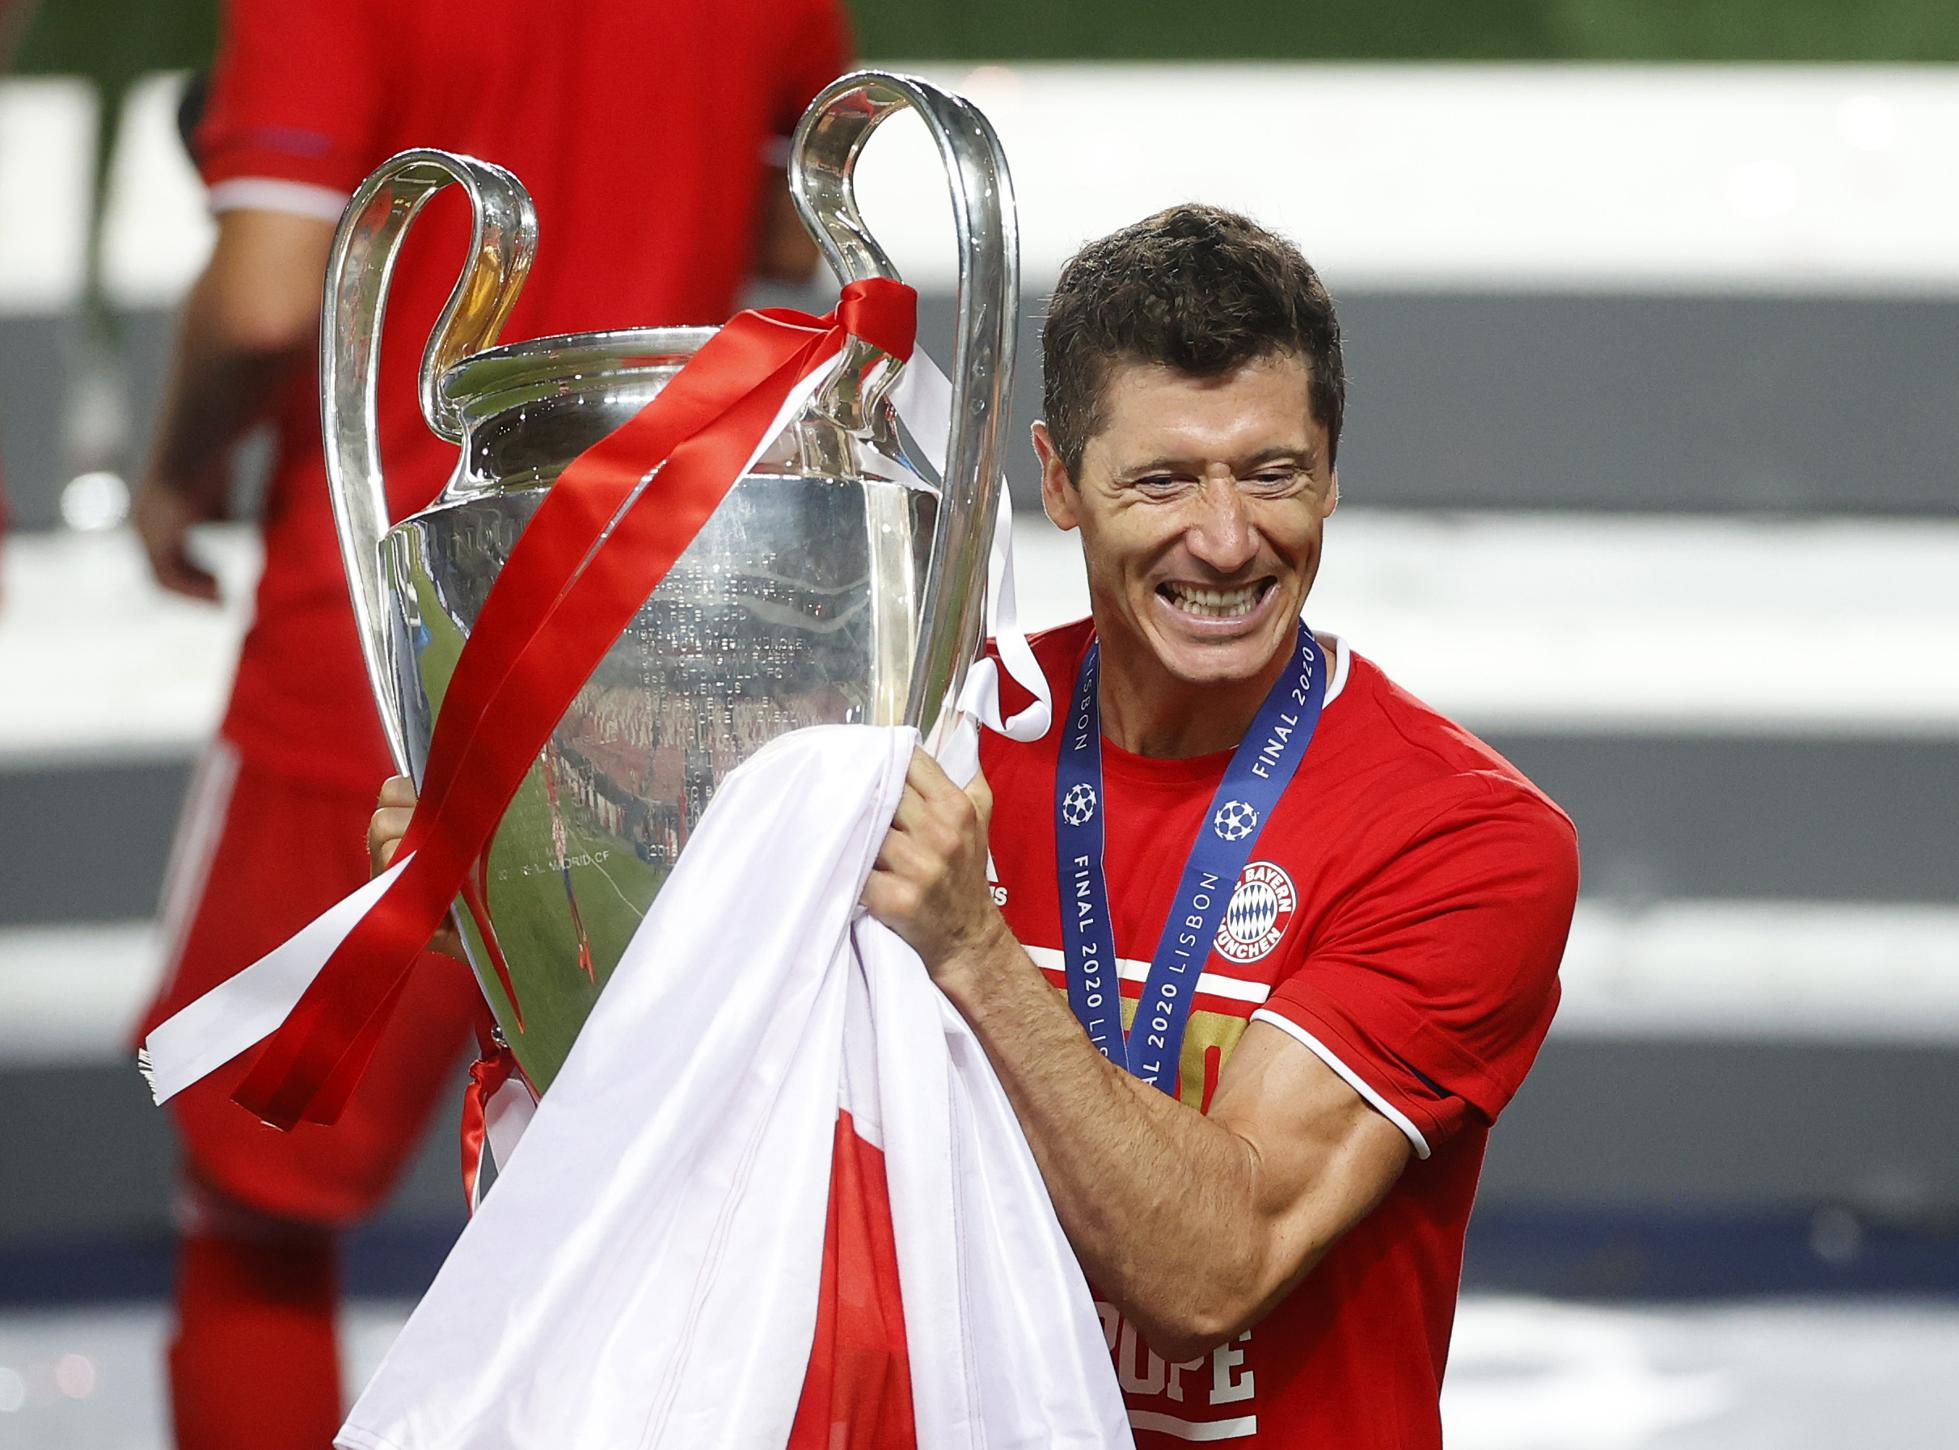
1654, 326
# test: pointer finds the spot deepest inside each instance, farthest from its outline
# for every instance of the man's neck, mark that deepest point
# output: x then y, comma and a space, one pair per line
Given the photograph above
1149, 712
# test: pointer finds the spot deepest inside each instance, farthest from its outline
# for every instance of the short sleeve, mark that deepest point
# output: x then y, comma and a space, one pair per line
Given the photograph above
816, 51
1431, 985
295, 106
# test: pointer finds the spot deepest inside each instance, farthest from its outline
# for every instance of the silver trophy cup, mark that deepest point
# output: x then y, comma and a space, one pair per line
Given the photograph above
841, 580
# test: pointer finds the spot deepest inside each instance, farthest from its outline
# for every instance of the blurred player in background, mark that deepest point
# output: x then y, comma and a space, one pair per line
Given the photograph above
650, 139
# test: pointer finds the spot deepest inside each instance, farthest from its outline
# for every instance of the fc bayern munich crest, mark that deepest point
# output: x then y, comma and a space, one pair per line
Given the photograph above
1260, 910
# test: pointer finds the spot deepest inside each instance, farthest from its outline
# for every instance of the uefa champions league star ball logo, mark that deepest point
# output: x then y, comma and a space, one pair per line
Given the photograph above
1259, 913
1234, 821
1078, 806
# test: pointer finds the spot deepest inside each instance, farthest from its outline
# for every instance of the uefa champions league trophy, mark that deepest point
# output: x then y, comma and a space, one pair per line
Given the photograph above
840, 580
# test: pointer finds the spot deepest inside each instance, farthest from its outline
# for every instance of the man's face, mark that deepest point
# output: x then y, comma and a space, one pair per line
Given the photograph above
1201, 504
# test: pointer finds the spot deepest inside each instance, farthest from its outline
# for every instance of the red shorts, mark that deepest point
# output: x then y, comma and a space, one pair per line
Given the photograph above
257, 856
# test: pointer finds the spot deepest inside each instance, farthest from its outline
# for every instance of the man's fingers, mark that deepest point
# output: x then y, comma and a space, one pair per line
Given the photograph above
877, 887
390, 823
393, 810
913, 814
939, 825
928, 777
175, 572
397, 790
890, 896
903, 855
385, 829
981, 795
162, 523
873, 893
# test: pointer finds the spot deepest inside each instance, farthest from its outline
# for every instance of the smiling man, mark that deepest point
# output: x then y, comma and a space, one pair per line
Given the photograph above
1305, 930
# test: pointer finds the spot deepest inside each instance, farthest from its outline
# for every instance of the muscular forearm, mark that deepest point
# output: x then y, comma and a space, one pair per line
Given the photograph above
1160, 1203
223, 382
251, 321
1194, 1226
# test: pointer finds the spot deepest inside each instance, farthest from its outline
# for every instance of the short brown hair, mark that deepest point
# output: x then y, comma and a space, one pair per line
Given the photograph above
1194, 288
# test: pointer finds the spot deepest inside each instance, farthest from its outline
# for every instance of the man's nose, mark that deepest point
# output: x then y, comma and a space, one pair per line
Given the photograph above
1221, 533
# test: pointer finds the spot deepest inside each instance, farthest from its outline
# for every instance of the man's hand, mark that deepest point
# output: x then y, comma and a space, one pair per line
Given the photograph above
929, 883
389, 823
163, 516
385, 828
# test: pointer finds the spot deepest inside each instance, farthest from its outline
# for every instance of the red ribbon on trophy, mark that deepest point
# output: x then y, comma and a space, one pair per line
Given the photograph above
496, 1089
596, 548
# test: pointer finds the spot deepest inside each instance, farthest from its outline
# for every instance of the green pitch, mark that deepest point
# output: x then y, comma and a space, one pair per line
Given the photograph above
526, 892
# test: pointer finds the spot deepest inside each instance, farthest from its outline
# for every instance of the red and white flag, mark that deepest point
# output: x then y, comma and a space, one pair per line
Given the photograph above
775, 1197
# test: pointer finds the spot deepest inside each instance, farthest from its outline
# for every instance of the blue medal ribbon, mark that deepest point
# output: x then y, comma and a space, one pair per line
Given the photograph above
1260, 768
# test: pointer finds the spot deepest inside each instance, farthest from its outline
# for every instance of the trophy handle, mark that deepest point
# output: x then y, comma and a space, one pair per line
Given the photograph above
503, 239
822, 161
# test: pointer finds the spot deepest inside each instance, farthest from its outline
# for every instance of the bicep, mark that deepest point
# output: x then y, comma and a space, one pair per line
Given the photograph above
1323, 1156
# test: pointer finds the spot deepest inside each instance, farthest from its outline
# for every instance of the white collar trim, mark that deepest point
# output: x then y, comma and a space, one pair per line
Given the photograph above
1342, 659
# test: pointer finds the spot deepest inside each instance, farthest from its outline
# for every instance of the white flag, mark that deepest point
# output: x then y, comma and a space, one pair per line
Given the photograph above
769, 1111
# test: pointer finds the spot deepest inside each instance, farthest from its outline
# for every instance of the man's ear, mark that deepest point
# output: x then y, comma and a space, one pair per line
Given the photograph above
1332, 494
1057, 489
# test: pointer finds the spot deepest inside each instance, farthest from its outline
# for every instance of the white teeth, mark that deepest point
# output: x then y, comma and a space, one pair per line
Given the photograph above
1214, 603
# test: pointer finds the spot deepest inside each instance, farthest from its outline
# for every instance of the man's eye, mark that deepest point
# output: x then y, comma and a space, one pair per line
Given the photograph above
1160, 483
1273, 480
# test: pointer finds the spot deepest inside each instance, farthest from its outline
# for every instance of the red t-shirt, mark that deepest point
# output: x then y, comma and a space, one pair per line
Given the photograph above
1402, 918
640, 131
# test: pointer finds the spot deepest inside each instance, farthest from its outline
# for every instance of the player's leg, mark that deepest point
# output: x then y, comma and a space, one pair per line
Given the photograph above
252, 1355
253, 1360
259, 856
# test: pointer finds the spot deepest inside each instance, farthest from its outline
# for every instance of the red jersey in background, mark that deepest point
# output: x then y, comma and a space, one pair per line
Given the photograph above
640, 131
1402, 918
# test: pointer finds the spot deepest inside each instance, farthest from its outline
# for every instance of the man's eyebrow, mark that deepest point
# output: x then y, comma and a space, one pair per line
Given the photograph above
1303, 452
1152, 465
